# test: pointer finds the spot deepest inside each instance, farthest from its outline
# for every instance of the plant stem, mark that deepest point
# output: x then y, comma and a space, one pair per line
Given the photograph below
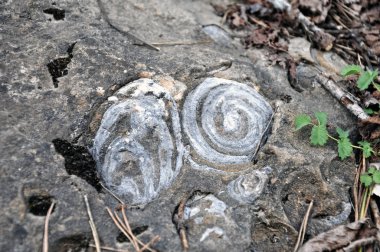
336, 140
365, 202
333, 138
362, 207
356, 147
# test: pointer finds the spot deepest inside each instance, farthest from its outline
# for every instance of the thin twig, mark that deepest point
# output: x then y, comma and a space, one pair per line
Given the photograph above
257, 21
336, 18
343, 97
224, 19
368, 199
310, 27
123, 228
109, 248
356, 192
349, 11
45, 247
302, 232
182, 230
122, 224
172, 43
359, 243
142, 42
361, 188
375, 213
92, 225
151, 242
114, 195
128, 231
376, 216
344, 47
108, 21
128, 226
118, 224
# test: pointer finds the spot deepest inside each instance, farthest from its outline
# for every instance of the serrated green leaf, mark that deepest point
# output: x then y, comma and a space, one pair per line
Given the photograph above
321, 117
319, 135
377, 86
367, 149
301, 121
342, 133
350, 69
366, 78
344, 147
366, 180
371, 170
376, 177
368, 110
375, 73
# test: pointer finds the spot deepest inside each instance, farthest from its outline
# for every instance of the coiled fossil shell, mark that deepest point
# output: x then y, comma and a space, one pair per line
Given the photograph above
247, 188
224, 122
138, 146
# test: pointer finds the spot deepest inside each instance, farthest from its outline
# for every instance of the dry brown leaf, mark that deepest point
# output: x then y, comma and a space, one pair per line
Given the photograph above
372, 15
237, 21
219, 9
376, 48
373, 119
317, 10
339, 237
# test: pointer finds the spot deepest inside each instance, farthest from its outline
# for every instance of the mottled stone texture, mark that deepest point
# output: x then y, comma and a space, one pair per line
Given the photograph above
62, 61
138, 147
225, 122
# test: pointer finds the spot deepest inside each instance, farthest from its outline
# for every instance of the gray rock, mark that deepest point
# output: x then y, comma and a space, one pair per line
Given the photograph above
210, 224
138, 146
56, 75
218, 34
247, 188
225, 122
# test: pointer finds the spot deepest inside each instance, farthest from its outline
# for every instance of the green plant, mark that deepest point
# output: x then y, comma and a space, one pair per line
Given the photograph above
371, 177
365, 77
319, 135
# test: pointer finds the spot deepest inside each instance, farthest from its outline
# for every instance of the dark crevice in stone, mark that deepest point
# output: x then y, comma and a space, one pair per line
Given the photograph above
136, 231
39, 204
78, 162
58, 67
285, 198
179, 211
57, 13
73, 243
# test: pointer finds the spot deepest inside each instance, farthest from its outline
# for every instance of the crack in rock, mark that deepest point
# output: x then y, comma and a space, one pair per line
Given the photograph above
57, 13
58, 67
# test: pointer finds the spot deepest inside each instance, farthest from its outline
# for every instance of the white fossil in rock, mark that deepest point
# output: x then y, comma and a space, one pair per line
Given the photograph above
138, 148
246, 188
224, 122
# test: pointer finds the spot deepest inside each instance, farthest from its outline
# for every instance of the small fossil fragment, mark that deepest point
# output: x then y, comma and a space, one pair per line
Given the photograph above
210, 221
138, 146
246, 188
224, 122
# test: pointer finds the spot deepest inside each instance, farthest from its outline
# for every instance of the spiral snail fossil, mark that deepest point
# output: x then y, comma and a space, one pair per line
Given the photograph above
224, 121
246, 188
138, 147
